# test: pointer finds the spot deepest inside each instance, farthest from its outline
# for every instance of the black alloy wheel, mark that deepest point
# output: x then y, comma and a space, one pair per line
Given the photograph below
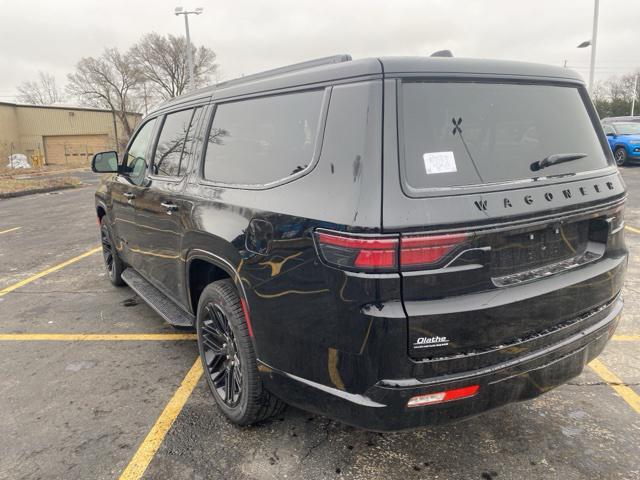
221, 357
228, 356
107, 250
112, 262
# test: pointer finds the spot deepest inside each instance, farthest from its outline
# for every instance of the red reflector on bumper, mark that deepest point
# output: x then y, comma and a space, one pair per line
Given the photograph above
441, 397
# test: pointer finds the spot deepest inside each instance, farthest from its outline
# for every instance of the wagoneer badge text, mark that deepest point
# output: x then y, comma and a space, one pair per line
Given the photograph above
566, 194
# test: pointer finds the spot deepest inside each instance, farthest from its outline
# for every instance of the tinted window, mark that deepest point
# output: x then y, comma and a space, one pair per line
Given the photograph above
476, 133
174, 144
255, 142
135, 158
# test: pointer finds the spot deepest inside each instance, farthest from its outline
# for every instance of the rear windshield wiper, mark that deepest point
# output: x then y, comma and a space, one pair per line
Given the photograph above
555, 159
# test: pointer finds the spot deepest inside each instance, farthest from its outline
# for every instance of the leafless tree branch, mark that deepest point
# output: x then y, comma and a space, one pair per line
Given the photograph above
43, 91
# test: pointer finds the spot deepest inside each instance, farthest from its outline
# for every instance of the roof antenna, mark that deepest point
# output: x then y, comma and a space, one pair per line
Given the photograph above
442, 53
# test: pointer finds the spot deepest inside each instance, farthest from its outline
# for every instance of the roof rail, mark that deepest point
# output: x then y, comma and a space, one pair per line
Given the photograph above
289, 68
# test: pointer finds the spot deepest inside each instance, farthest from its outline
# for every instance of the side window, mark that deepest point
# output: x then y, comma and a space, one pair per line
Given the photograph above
135, 157
263, 140
608, 130
174, 143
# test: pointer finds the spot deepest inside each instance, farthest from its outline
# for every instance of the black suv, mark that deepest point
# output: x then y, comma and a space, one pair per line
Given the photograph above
391, 242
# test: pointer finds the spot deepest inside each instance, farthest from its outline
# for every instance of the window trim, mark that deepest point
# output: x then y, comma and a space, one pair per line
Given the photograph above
171, 178
515, 184
317, 149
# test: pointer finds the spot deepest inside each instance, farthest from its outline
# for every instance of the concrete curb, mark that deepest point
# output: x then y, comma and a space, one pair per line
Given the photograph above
23, 193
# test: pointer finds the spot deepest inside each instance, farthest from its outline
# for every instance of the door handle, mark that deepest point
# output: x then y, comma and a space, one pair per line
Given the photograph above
129, 195
170, 206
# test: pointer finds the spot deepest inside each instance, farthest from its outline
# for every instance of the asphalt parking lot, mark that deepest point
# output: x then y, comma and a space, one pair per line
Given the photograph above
94, 385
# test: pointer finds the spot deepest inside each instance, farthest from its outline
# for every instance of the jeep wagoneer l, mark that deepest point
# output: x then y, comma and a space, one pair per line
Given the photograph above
391, 242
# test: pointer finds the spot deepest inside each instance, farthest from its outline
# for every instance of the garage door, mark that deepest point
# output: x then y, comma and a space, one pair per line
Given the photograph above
74, 150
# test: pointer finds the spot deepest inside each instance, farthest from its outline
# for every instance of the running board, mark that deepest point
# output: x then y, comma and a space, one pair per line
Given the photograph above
157, 300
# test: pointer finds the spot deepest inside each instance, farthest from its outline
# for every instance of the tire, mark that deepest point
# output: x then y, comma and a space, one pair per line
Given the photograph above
620, 154
228, 358
112, 262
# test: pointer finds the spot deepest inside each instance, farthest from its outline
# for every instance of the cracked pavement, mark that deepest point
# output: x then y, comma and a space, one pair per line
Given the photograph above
80, 409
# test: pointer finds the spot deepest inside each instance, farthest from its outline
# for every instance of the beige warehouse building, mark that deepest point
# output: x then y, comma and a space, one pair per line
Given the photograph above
61, 135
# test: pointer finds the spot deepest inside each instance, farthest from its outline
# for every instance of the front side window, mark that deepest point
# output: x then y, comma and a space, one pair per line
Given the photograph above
136, 157
477, 133
263, 140
174, 144
608, 130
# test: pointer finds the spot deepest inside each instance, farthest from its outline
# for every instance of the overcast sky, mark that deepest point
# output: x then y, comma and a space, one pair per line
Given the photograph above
249, 36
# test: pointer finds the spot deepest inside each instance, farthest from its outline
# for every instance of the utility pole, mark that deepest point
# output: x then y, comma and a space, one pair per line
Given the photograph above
186, 13
592, 43
635, 89
594, 40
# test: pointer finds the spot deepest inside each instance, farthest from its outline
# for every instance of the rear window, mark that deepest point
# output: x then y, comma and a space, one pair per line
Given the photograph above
263, 140
472, 133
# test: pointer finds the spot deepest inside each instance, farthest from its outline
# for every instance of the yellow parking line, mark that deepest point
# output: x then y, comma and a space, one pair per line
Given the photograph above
627, 394
632, 229
55, 268
154, 438
100, 337
626, 338
10, 230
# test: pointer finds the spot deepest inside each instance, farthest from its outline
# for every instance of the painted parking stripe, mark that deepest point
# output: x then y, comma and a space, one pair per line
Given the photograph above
154, 438
95, 337
626, 338
627, 394
10, 230
632, 229
43, 273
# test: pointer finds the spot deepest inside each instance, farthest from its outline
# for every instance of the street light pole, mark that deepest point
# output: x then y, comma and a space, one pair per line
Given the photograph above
635, 89
186, 13
594, 39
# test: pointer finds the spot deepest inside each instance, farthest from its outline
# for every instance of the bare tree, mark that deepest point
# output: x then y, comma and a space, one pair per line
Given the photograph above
162, 61
109, 81
613, 96
43, 91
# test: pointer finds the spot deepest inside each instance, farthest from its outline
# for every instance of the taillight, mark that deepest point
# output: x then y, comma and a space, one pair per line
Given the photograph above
442, 397
373, 254
388, 253
425, 250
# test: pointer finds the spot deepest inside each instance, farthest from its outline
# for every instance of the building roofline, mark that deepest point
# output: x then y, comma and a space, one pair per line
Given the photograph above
62, 107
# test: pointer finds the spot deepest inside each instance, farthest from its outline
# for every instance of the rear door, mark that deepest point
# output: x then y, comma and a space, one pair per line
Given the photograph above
496, 250
161, 209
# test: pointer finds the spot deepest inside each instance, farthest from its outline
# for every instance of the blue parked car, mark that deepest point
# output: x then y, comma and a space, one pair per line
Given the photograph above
624, 140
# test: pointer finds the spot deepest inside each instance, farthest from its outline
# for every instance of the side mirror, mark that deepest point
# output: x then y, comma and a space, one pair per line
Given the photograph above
611, 134
105, 162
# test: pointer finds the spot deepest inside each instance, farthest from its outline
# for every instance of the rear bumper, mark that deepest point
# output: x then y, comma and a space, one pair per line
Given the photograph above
383, 406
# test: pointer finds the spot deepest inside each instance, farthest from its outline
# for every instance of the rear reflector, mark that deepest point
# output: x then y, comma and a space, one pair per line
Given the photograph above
386, 253
442, 397
245, 311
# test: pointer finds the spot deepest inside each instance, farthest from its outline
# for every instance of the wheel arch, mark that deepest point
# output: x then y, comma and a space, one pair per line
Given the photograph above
621, 145
204, 267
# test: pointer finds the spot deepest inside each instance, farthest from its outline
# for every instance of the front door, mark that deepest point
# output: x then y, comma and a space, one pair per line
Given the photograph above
161, 210
126, 191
